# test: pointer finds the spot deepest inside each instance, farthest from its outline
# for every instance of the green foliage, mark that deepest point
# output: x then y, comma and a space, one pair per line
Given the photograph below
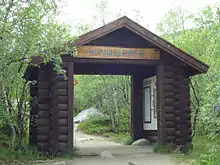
96, 125
206, 151
124, 124
109, 94
123, 138
199, 35
202, 40
211, 157
102, 126
13, 156
27, 28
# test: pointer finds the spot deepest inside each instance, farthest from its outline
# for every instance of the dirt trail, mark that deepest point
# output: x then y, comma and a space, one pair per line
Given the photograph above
90, 147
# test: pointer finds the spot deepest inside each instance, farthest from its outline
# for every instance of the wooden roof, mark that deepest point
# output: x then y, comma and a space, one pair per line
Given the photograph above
147, 35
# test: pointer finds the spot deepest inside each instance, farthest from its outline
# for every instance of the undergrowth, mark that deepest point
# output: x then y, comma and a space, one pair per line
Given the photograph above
101, 126
13, 156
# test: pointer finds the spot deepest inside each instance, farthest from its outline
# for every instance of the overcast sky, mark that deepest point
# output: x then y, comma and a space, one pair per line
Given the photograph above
153, 11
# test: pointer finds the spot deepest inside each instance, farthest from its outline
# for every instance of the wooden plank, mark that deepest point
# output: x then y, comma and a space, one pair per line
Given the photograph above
70, 106
108, 52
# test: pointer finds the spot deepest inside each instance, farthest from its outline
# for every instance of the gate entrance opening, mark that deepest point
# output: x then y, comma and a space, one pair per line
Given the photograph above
159, 111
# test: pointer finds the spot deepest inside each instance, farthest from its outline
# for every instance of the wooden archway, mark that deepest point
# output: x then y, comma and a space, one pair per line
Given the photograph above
171, 66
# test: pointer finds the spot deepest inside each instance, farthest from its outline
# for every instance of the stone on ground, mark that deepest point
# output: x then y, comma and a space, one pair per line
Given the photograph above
85, 114
141, 142
131, 163
106, 155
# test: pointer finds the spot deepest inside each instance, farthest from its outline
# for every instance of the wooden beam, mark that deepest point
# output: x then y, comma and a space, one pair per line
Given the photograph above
107, 52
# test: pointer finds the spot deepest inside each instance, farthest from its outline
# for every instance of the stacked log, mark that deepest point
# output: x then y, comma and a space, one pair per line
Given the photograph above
33, 114
43, 124
169, 111
55, 111
187, 111
62, 109
178, 104
182, 108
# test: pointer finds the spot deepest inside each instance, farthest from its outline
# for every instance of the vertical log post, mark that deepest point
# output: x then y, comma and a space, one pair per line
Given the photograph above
54, 131
169, 112
44, 109
33, 115
70, 105
136, 107
160, 103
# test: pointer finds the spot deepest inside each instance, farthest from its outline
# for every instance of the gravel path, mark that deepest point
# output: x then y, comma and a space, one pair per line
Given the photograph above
100, 151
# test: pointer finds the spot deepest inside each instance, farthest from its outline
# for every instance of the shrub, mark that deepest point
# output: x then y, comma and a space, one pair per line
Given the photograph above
96, 125
125, 139
211, 156
124, 124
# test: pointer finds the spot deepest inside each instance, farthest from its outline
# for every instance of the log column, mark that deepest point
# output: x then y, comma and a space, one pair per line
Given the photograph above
33, 114
187, 111
61, 135
183, 126
136, 107
178, 105
62, 107
165, 100
44, 107
54, 126
169, 112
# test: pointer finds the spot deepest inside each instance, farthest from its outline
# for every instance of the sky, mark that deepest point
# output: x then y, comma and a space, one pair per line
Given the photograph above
75, 12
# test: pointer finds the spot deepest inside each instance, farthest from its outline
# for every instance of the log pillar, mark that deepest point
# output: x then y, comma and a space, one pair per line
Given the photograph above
44, 108
165, 100
160, 103
54, 101
173, 102
136, 107
33, 114
182, 107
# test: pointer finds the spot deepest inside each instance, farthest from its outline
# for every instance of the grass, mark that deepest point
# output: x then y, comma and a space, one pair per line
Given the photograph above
123, 138
12, 156
26, 155
95, 126
204, 152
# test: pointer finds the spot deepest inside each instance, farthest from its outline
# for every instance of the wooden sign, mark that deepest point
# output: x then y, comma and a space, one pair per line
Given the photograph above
117, 53
216, 108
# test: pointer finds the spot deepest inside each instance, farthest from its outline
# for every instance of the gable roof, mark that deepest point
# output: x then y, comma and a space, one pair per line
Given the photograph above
147, 35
